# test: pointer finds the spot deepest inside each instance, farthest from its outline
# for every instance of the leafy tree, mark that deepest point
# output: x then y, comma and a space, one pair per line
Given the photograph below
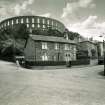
20, 31
9, 38
73, 35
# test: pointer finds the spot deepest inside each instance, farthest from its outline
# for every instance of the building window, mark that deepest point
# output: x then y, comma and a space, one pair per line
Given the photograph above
43, 21
38, 25
48, 22
74, 48
38, 20
21, 20
33, 21
17, 21
44, 45
27, 20
44, 26
45, 57
8, 23
56, 46
27, 25
52, 23
33, 25
66, 47
12, 22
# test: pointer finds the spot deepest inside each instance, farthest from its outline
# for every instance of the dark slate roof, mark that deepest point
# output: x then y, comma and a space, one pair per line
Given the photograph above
51, 39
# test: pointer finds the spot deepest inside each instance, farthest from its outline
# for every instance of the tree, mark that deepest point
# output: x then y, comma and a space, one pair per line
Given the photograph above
9, 39
73, 35
20, 31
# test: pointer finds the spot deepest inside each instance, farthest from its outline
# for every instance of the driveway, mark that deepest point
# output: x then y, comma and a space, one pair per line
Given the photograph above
74, 86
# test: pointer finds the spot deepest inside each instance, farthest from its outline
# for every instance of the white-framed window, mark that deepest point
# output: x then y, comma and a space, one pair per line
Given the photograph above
48, 22
66, 46
52, 23
38, 25
17, 21
38, 20
74, 49
56, 46
27, 20
12, 22
33, 21
8, 23
44, 57
44, 26
21, 20
43, 21
33, 25
27, 25
44, 45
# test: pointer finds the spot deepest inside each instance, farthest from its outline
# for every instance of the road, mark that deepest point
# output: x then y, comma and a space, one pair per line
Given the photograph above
74, 86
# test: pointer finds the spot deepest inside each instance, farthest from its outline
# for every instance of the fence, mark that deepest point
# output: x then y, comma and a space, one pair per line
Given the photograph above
58, 63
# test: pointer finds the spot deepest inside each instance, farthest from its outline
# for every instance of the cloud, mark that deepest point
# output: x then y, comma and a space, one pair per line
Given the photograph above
17, 9
89, 22
23, 8
84, 3
46, 15
4, 13
72, 7
89, 27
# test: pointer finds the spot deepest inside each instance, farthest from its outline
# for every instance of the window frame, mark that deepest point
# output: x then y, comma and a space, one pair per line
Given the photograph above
44, 57
56, 46
44, 45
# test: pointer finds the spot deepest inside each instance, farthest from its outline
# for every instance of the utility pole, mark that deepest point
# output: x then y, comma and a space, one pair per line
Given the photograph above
103, 52
104, 55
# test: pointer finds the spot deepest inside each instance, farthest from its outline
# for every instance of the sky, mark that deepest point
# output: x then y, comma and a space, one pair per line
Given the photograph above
87, 17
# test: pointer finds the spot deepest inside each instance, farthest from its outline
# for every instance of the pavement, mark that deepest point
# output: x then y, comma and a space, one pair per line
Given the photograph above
72, 86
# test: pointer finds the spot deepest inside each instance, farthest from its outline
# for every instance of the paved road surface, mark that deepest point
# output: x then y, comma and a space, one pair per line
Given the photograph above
76, 86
